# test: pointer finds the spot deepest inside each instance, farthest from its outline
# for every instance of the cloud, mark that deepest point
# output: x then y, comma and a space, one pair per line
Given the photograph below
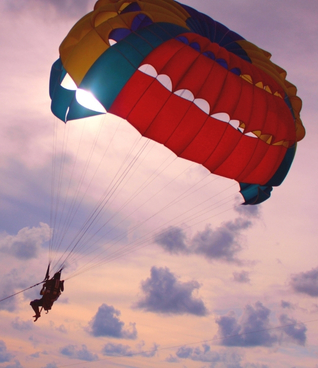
242, 277
16, 364
71, 8
285, 304
9, 283
172, 359
222, 243
305, 282
205, 354
5, 356
60, 328
107, 323
79, 353
217, 359
51, 365
294, 331
163, 293
248, 211
147, 353
20, 325
173, 240
27, 243
314, 308
61, 8
35, 355
111, 349
251, 329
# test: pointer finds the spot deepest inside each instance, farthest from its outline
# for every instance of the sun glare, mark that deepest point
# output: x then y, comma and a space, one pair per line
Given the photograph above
87, 99
84, 98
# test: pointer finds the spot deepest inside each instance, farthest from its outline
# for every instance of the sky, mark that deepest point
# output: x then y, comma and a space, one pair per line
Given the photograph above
174, 272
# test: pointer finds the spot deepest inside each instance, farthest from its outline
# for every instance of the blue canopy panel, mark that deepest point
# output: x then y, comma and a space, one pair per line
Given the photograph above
64, 104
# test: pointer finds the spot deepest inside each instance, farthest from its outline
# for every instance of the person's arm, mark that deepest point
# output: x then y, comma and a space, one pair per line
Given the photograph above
42, 292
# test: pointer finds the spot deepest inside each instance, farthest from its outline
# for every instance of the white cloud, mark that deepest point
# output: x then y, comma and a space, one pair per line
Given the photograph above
5, 356
164, 293
294, 331
106, 323
241, 277
9, 284
27, 243
251, 329
220, 244
61, 8
21, 325
306, 282
112, 349
82, 353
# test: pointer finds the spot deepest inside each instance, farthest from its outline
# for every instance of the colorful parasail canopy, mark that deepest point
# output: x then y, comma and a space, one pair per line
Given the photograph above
186, 81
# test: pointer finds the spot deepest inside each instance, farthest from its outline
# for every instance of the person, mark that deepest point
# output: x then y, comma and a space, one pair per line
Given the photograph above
51, 291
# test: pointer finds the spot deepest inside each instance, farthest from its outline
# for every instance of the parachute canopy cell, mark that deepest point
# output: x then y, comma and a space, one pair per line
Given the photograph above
186, 81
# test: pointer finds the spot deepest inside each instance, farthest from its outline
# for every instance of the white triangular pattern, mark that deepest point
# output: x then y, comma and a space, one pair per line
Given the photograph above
165, 81
185, 93
203, 105
222, 116
251, 134
149, 70
235, 123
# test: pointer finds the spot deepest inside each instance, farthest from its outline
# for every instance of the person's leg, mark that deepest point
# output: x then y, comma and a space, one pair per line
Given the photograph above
35, 304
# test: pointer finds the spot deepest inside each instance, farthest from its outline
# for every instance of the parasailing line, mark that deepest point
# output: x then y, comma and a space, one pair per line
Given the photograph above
124, 172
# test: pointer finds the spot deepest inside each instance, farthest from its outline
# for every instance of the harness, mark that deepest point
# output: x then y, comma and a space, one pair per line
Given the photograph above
51, 293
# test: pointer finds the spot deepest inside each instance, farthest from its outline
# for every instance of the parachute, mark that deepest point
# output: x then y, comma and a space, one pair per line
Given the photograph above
186, 81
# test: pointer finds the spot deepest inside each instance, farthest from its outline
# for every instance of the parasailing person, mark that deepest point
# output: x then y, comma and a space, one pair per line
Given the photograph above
51, 290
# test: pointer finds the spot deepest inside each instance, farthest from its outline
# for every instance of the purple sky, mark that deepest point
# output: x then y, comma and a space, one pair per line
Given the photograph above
197, 280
